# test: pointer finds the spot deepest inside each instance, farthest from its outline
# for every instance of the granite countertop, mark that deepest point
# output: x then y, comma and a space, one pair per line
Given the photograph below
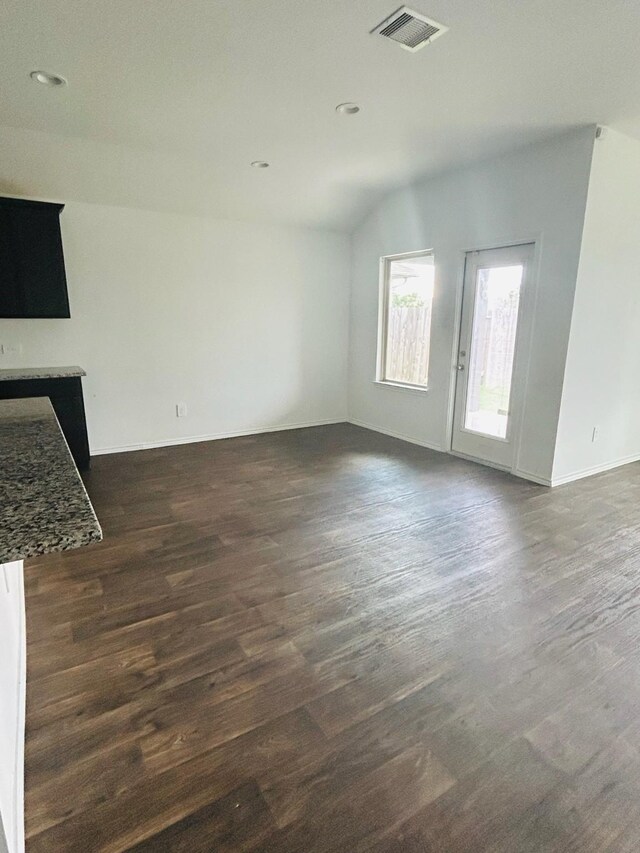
40, 373
43, 503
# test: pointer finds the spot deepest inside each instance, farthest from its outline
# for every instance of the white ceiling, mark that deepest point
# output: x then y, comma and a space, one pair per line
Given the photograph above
199, 88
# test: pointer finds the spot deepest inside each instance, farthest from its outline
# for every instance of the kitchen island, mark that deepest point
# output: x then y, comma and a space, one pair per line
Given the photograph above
63, 387
44, 507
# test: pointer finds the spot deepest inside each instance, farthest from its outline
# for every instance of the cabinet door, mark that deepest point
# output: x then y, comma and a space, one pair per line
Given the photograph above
11, 293
38, 245
70, 414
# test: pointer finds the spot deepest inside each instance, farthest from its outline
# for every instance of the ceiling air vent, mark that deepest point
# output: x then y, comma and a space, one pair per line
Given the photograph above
409, 29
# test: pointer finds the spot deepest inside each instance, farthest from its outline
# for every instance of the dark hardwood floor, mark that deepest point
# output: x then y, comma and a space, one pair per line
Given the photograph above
328, 640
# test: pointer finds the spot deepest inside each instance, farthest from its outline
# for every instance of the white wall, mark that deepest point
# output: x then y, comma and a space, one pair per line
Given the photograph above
12, 706
245, 323
3, 838
602, 379
536, 193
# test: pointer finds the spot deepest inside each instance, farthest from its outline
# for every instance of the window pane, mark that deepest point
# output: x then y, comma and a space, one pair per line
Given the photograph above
410, 295
493, 340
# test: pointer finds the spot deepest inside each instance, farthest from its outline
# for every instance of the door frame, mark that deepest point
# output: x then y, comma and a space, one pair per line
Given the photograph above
527, 322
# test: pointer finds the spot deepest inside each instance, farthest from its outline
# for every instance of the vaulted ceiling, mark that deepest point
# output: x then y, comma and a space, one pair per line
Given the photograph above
168, 102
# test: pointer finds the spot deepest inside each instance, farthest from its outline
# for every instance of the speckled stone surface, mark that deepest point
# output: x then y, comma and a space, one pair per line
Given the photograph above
43, 503
41, 373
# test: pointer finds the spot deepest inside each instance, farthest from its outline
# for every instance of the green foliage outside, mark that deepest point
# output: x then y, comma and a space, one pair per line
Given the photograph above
409, 300
493, 399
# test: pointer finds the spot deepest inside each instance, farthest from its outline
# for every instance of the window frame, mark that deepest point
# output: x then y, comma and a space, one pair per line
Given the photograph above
383, 321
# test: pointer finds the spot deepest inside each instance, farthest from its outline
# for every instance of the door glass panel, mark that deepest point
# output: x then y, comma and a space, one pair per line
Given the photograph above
493, 340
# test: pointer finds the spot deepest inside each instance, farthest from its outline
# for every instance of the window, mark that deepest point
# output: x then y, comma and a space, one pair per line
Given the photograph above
405, 312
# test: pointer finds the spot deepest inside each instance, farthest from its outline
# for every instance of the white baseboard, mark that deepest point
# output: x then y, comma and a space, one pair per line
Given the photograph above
484, 462
533, 478
596, 469
525, 475
193, 439
516, 472
428, 444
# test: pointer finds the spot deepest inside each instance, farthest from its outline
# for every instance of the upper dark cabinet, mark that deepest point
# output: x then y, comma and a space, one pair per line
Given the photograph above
32, 276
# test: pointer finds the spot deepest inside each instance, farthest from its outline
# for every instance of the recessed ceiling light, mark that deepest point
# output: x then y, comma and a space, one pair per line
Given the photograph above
48, 79
347, 109
260, 164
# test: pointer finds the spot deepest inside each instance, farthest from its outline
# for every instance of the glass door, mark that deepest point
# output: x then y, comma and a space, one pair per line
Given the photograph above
485, 406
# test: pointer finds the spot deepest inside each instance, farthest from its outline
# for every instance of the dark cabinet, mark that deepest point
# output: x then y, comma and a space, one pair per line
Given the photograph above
32, 275
68, 403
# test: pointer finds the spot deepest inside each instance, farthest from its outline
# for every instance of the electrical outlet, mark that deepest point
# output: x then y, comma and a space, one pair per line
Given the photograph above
595, 435
181, 410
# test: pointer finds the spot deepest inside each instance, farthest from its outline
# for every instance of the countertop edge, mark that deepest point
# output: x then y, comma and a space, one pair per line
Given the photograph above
26, 374
40, 550
65, 538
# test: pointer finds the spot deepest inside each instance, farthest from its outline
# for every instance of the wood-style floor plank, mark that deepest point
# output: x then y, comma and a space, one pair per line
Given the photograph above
329, 640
